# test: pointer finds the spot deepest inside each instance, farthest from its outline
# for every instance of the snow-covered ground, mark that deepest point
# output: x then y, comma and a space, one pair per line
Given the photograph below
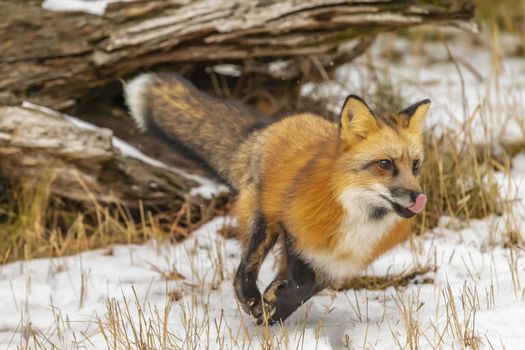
477, 292
181, 295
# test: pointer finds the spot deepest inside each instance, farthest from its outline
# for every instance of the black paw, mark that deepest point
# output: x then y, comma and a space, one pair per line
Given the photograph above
249, 296
263, 313
286, 294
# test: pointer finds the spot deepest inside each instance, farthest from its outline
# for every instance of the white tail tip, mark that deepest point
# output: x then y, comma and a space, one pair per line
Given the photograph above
135, 96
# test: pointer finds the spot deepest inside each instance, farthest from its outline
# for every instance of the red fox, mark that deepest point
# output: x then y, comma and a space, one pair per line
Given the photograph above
334, 195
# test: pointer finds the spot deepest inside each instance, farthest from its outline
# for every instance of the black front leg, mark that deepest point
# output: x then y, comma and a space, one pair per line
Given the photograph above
245, 284
294, 285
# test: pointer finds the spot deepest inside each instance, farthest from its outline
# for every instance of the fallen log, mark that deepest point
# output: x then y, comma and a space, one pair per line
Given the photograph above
54, 59
86, 163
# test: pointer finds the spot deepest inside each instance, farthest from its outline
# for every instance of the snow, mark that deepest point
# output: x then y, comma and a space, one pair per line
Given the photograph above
229, 70
94, 7
476, 298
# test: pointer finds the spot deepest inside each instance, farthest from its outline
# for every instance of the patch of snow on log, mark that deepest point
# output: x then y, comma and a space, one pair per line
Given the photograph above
94, 7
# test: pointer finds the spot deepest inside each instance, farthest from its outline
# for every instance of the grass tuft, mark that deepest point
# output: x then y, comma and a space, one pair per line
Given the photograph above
35, 224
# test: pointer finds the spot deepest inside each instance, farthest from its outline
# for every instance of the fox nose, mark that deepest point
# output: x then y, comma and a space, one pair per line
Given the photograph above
414, 194
403, 192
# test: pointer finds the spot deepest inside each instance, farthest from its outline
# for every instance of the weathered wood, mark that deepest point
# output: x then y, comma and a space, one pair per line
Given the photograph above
83, 162
55, 58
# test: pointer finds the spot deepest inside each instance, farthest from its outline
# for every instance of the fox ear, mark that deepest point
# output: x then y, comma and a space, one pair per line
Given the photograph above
356, 119
416, 114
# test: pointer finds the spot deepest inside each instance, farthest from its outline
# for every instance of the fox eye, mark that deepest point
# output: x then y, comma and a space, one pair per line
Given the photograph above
415, 165
385, 164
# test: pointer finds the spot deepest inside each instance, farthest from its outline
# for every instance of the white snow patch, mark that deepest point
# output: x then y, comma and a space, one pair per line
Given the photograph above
229, 70
518, 164
94, 7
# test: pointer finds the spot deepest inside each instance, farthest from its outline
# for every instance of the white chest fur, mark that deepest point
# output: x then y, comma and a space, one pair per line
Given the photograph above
359, 235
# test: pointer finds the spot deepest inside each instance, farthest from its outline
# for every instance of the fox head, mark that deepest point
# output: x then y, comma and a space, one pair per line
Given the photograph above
384, 154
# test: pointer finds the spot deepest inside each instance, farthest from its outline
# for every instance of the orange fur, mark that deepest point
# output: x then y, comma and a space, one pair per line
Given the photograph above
308, 163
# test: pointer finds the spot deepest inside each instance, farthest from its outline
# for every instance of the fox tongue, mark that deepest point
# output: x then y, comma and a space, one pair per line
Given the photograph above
421, 200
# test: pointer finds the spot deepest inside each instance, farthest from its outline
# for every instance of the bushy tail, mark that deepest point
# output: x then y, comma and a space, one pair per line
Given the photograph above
208, 127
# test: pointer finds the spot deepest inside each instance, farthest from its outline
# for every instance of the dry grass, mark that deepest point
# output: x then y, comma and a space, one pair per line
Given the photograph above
384, 282
459, 178
503, 15
35, 224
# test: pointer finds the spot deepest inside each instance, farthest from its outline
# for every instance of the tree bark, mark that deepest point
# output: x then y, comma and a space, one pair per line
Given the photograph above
54, 59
